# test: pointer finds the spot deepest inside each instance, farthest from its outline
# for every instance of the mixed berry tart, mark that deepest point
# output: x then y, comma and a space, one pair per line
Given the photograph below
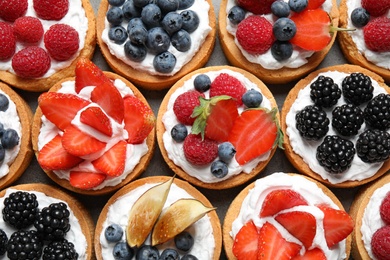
93, 133
43, 39
336, 126
218, 127
155, 43
287, 216
165, 218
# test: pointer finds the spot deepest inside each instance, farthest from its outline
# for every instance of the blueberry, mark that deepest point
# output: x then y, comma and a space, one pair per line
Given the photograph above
138, 35
4, 102
2, 154
9, 139
130, 11
113, 233
219, 169
169, 254
179, 132
284, 29
190, 20
118, 34
281, 50
181, 40
142, 3
151, 15
134, 52
189, 257
252, 98
147, 252
2, 130
202, 83
167, 6
158, 40
226, 151
184, 4
236, 14
298, 5
280, 8
122, 251
172, 22
115, 15
116, 2
134, 22
184, 241
164, 62
360, 17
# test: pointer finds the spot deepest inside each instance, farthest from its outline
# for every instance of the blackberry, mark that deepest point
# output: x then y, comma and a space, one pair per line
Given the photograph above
52, 222
324, 92
373, 145
357, 88
335, 154
24, 245
377, 112
312, 122
60, 250
20, 209
3, 242
347, 119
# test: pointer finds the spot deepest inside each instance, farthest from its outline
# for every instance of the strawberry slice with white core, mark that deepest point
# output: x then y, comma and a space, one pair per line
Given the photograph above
313, 254
97, 119
281, 199
245, 244
112, 162
88, 74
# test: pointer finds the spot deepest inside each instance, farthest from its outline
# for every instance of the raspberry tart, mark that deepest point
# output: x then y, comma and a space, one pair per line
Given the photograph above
287, 216
194, 232
15, 136
218, 127
84, 142
43, 40
332, 133
154, 44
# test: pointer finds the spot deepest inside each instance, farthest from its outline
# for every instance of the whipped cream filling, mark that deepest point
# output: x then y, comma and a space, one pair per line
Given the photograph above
175, 150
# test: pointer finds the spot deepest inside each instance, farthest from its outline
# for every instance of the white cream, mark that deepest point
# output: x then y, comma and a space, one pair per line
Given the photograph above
359, 170
74, 235
118, 213
175, 150
251, 207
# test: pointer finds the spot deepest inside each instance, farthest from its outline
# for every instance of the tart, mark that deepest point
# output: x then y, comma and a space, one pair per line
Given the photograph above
141, 71
35, 65
218, 102
303, 149
83, 142
274, 204
16, 120
206, 231
261, 62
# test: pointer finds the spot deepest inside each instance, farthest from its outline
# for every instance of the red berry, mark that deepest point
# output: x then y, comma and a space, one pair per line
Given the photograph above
61, 41
245, 244
7, 41
256, 6
184, 106
376, 7
31, 62
314, 4
380, 243
377, 34
385, 209
10, 10
28, 29
255, 35
51, 9
198, 151
224, 84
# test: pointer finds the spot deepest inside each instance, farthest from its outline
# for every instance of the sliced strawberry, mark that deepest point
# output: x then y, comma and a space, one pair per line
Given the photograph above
86, 180
60, 108
246, 242
314, 4
95, 117
112, 162
78, 143
88, 74
54, 157
278, 200
273, 246
313, 254
139, 119
337, 224
300, 224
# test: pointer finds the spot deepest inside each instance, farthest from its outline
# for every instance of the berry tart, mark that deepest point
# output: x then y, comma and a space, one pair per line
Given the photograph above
218, 127
15, 136
287, 216
288, 39
166, 218
371, 213
40, 221
368, 45
155, 43
43, 39
94, 133
336, 126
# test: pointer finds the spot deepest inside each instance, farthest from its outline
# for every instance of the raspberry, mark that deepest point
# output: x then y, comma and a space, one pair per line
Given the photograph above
385, 209
61, 41
224, 84
10, 10
51, 9
28, 29
31, 62
380, 243
7, 41
185, 104
256, 6
198, 151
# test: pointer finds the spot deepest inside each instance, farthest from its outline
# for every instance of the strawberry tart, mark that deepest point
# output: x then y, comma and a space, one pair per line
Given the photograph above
336, 126
155, 43
287, 216
278, 41
43, 39
94, 133
192, 231
368, 44
15, 136
28, 229
218, 127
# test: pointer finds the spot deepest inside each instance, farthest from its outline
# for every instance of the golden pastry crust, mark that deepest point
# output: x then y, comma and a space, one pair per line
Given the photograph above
43, 84
80, 212
279, 76
23, 159
294, 158
235, 207
139, 168
234, 180
215, 223
144, 79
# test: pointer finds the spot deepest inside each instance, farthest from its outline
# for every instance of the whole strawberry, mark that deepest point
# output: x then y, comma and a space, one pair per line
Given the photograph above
224, 84
184, 106
31, 62
7, 41
51, 9
256, 6
61, 41
10, 10
28, 29
377, 34
376, 7
200, 151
